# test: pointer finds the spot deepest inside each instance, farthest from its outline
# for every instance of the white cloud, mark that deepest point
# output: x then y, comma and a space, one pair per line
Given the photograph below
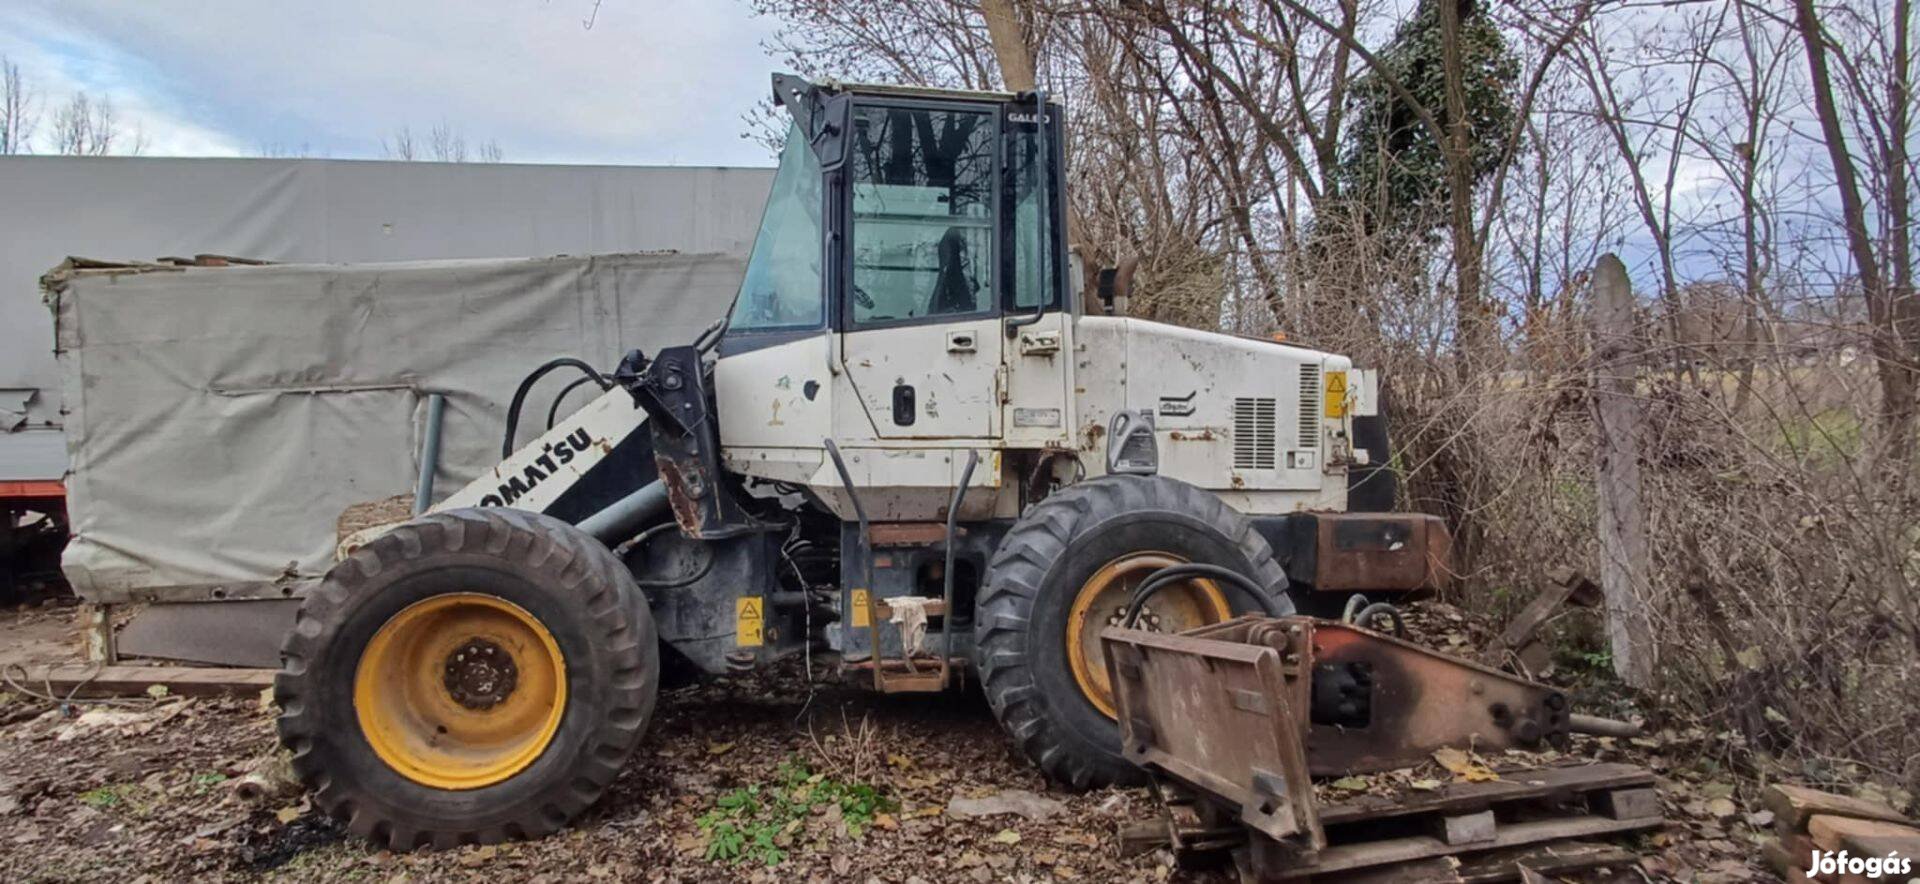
651, 82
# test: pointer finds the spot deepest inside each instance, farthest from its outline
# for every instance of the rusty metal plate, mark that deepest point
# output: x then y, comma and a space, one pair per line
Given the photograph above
1215, 716
1380, 703
1381, 551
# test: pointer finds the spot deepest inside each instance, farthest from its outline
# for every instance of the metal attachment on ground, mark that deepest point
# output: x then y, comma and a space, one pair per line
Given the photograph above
1238, 717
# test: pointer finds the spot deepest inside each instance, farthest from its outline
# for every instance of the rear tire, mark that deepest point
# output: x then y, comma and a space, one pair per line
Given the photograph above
1035, 599
395, 731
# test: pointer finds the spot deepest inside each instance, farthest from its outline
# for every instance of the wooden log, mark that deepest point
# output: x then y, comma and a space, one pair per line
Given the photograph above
1792, 806
114, 681
1863, 837
1792, 851
1777, 858
1565, 587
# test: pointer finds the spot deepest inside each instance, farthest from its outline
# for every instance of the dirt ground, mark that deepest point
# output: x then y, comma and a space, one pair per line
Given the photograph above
141, 790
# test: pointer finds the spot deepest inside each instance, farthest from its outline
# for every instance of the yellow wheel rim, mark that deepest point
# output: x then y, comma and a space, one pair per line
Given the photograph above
1102, 602
460, 691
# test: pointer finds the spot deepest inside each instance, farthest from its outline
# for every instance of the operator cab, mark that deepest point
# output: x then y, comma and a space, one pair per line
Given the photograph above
895, 206
918, 232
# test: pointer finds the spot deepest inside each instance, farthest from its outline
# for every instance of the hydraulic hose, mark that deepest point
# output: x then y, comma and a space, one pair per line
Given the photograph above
1367, 613
526, 384
553, 411
1172, 574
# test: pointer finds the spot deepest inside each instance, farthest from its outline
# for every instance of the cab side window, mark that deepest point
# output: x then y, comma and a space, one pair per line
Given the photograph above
782, 287
923, 224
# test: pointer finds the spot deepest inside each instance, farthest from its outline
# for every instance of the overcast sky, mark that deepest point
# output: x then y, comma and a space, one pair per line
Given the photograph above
652, 82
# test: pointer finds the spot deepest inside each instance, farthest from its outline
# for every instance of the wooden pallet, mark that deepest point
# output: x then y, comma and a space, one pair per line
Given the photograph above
1521, 810
1543, 820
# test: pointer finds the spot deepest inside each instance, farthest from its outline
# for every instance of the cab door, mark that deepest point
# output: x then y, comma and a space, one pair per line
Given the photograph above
921, 336
1037, 409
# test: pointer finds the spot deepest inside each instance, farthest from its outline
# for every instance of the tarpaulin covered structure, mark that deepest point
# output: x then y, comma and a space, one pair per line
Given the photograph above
222, 418
318, 211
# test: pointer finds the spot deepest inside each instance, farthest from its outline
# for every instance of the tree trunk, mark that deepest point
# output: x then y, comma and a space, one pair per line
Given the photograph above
1010, 46
1894, 325
1478, 340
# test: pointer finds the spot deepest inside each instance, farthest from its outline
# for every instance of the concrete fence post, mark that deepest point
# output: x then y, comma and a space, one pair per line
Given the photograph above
1619, 423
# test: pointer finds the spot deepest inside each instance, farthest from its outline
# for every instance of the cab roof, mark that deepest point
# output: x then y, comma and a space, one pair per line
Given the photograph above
830, 85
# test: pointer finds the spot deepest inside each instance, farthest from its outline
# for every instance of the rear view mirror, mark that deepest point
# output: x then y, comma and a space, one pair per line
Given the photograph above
1116, 286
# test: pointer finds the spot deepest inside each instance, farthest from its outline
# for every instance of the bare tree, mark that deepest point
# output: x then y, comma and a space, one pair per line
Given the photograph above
443, 144
86, 126
282, 150
1892, 310
19, 109
400, 145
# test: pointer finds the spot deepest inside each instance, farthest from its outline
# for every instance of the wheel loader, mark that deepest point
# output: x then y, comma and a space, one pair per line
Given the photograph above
918, 444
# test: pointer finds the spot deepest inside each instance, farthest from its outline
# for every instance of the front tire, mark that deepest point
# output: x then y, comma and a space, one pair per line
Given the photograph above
468, 677
1062, 573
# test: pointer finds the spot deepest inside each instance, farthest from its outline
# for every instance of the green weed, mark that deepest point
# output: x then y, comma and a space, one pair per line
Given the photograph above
756, 823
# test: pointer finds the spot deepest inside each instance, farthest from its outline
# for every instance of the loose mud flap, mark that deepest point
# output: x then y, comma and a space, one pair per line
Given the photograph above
1233, 721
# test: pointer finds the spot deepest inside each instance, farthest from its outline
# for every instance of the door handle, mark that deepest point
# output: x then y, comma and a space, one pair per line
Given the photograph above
1044, 343
960, 342
903, 410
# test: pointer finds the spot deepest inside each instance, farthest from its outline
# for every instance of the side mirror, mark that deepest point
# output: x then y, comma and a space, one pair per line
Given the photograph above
823, 115
1116, 286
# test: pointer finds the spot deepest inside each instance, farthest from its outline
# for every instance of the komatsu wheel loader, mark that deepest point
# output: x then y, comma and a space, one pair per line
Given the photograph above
910, 445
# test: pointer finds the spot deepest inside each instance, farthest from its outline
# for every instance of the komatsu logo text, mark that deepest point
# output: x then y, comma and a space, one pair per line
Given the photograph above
553, 456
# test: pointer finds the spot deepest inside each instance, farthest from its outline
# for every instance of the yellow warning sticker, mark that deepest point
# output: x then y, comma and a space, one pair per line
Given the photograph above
1336, 398
749, 622
861, 620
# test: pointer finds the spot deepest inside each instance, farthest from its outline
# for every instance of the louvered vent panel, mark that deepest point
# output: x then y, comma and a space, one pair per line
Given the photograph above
1309, 406
1253, 433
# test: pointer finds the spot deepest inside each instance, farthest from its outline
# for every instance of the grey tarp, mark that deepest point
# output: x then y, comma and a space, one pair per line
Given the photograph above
222, 418
319, 211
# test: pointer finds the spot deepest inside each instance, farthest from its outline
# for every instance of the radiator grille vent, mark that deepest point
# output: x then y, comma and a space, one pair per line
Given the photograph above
1309, 406
1253, 433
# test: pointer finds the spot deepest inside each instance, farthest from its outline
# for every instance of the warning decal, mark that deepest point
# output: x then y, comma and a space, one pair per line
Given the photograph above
1336, 397
749, 621
861, 618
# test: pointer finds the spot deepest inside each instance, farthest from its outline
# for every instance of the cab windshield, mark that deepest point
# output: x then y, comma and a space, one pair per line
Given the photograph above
782, 288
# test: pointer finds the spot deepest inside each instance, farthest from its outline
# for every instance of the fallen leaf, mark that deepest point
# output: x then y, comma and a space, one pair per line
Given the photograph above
1006, 836
1722, 808
1427, 785
719, 748
1463, 766
1350, 784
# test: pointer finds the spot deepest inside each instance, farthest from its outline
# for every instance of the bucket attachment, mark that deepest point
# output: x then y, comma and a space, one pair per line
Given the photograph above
1237, 718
